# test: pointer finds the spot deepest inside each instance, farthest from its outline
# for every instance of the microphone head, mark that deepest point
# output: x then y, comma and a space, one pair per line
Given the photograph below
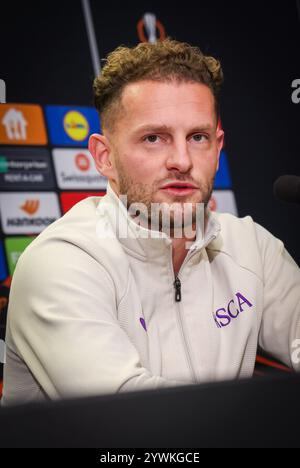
287, 188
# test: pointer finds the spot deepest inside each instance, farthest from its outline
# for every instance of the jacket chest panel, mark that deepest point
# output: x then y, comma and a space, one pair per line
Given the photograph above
215, 323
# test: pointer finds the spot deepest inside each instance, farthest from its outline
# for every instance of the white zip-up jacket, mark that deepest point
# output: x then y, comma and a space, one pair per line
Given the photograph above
92, 312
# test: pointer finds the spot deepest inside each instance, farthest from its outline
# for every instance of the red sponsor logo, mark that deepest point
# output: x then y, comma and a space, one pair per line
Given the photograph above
69, 199
82, 162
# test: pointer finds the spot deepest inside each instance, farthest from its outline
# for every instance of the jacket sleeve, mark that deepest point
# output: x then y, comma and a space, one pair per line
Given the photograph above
279, 332
63, 324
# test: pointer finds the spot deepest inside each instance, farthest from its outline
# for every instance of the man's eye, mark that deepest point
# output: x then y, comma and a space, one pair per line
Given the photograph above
151, 138
199, 137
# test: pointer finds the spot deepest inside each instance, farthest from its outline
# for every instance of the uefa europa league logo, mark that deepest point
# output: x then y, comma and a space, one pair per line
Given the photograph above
2, 92
150, 26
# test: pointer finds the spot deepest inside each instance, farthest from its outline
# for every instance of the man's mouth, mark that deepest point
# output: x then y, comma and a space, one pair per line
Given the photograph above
179, 188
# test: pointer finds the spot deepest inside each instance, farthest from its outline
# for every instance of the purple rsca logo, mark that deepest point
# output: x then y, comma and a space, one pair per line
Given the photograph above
225, 315
143, 323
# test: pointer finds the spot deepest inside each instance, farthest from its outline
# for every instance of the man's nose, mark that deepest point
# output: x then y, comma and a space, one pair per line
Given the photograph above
179, 157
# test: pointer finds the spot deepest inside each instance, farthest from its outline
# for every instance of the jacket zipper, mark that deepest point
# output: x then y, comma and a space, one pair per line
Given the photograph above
177, 286
177, 282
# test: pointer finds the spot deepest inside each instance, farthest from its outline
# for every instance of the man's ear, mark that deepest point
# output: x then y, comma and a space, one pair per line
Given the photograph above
100, 149
220, 143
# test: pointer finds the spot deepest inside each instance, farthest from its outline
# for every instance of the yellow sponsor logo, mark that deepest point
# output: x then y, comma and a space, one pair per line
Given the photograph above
76, 126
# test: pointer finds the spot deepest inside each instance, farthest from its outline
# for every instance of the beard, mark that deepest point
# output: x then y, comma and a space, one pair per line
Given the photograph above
157, 215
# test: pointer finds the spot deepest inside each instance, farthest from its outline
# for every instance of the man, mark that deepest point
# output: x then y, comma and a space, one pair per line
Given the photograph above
110, 298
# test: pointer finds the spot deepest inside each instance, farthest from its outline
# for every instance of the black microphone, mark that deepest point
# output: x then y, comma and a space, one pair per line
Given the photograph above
287, 188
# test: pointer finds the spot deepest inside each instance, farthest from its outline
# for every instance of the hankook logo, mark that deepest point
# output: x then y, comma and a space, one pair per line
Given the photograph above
31, 207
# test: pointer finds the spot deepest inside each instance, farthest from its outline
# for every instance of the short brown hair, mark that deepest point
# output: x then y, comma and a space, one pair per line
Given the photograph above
167, 60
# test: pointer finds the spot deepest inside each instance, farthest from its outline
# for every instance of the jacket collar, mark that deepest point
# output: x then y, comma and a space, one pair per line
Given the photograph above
144, 242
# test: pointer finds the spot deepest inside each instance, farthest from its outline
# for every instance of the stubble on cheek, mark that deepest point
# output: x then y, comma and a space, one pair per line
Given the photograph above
136, 192
139, 192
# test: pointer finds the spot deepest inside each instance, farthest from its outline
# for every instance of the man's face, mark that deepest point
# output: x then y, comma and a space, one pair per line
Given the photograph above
167, 134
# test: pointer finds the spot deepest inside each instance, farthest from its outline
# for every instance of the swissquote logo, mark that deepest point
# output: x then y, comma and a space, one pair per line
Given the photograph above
82, 162
28, 213
75, 169
150, 29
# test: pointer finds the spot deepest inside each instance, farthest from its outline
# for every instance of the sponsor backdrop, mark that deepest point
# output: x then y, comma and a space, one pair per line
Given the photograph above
45, 167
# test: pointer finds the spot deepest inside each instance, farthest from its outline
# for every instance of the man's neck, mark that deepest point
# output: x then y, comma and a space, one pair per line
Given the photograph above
179, 252
180, 248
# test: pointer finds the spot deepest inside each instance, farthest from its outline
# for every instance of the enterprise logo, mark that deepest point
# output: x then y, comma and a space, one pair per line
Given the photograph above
25, 169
